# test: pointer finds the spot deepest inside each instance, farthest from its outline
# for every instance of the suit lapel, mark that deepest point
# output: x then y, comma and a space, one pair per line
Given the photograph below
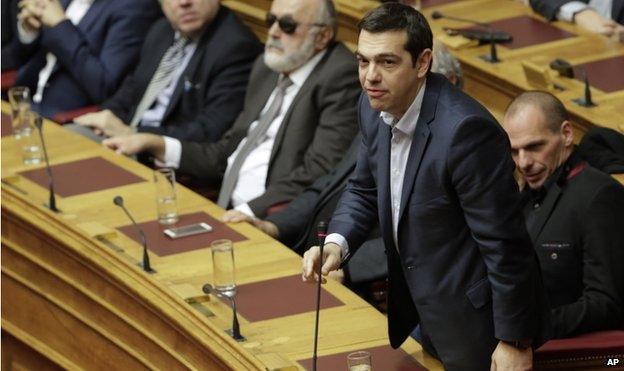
550, 201
94, 12
383, 178
419, 140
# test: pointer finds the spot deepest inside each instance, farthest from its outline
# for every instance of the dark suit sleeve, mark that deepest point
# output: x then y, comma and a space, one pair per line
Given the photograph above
548, 8
100, 74
481, 170
356, 213
600, 306
336, 128
224, 97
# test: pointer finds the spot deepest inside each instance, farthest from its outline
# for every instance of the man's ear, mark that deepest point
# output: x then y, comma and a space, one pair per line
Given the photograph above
323, 38
423, 62
567, 132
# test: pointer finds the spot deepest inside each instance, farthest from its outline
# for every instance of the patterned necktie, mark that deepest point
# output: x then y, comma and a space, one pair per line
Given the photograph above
253, 138
162, 77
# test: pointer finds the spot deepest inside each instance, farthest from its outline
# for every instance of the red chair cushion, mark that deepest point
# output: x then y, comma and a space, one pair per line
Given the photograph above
8, 79
582, 352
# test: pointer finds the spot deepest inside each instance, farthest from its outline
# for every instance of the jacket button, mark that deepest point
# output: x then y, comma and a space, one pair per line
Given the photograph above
410, 267
554, 256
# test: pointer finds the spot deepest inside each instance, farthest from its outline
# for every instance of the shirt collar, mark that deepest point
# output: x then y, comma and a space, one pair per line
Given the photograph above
301, 74
407, 123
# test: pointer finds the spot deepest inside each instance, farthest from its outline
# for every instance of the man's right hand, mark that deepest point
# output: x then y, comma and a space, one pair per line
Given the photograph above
332, 255
137, 143
105, 123
590, 20
29, 15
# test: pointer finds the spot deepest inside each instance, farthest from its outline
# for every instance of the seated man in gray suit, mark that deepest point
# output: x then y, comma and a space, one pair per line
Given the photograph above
574, 215
298, 119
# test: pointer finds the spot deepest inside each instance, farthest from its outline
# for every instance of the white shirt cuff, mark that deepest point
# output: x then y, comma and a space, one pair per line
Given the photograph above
173, 152
245, 209
567, 11
25, 37
339, 240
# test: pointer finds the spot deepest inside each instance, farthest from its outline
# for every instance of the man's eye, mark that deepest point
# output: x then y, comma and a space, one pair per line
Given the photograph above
388, 63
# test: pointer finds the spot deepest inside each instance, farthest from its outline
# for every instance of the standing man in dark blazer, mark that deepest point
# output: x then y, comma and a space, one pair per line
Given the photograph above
191, 77
605, 17
75, 53
303, 91
435, 169
574, 215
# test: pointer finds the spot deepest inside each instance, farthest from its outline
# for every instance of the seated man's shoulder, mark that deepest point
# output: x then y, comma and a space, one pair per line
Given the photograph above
340, 59
590, 181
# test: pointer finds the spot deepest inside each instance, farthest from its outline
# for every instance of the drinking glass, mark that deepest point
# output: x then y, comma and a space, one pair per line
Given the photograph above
19, 98
359, 361
223, 267
164, 180
29, 140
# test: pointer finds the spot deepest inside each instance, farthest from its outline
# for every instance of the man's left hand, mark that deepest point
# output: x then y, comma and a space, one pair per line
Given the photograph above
509, 358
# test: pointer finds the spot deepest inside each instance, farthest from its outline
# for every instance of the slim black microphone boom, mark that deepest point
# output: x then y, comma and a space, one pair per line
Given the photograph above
438, 15
118, 200
52, 201
321, 233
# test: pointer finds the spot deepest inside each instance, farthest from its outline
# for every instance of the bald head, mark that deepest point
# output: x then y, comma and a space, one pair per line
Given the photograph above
552, 110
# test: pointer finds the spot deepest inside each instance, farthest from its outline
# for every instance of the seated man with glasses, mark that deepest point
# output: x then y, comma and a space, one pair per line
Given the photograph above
298, 120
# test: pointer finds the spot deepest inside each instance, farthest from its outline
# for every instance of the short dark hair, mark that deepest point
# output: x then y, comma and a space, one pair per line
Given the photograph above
551, 107
396, 17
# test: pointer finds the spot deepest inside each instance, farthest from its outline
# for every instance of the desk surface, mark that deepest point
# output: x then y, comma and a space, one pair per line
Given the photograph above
352, 326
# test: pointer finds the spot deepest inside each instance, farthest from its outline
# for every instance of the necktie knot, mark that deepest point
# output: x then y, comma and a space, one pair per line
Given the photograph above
284, 82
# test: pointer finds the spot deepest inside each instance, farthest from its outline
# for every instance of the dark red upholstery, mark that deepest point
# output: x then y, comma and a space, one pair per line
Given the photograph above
277, 208
585, 352
8, 79
68, 116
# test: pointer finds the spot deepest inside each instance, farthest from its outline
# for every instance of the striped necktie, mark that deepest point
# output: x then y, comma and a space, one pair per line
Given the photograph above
162, 77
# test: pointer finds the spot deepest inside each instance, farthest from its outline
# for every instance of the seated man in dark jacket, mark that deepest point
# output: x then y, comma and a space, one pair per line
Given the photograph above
191, 77
76, 53
574, 215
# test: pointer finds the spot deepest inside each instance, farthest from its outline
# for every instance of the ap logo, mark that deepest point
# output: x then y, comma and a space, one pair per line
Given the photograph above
613, 361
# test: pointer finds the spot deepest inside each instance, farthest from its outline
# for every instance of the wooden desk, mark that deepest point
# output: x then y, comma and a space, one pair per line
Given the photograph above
77, 302
494, 85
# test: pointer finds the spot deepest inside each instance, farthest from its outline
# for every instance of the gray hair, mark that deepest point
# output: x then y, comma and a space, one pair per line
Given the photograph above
328, 15
444, 63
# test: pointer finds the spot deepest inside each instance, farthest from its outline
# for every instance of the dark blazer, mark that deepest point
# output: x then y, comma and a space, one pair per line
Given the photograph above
464, 267
317, 129
550, 8
577, 233
209, 94
92, 57
10, 45
603, 148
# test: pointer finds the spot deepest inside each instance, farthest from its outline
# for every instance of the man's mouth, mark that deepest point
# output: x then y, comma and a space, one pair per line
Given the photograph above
376, 93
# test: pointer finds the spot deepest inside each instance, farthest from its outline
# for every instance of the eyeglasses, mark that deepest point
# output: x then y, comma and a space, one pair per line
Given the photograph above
286, 23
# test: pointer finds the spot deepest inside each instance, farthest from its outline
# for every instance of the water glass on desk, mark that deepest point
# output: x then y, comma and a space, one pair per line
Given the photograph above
29, 140
164, 181
359, 361
223, 267
19, 98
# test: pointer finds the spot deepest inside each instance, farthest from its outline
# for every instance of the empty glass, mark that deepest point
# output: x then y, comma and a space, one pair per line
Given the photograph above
164, 180
223, 267
359, 361
19, 98
29, 140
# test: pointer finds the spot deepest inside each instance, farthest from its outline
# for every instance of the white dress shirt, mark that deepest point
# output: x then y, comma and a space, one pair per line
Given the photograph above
153, 116
400, 144
74, 12
567, 11
253, 173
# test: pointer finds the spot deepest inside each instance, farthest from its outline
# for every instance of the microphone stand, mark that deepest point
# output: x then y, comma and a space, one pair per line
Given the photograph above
493, 56
586, 99
321, 234
52, 200
118, 200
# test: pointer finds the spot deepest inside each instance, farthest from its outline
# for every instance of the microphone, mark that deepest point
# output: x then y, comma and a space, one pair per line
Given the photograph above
321, 233
491, 36
586, 99
118, 200
52, 201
